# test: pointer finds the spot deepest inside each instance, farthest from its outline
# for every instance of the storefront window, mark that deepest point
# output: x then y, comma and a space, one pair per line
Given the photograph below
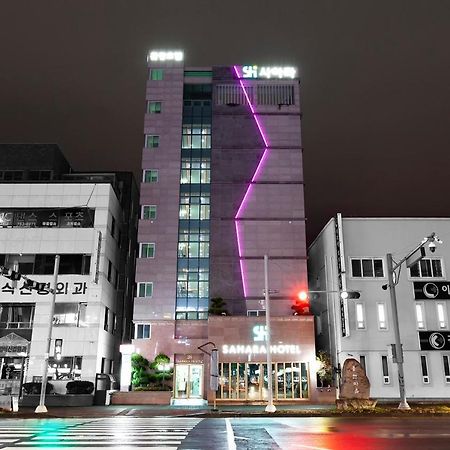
249, 381
67, 368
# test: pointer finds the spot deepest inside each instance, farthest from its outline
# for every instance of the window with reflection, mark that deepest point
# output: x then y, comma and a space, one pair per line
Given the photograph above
66, 368
70, 314
248, 381
19, 315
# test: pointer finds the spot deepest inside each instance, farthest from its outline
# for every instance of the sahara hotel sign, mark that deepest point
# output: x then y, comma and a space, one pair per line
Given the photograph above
257, 347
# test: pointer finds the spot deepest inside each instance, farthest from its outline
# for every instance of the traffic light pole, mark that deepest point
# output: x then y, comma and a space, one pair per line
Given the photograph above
41, 408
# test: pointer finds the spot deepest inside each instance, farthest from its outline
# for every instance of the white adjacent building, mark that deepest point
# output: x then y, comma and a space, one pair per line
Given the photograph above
80, 217
350, 254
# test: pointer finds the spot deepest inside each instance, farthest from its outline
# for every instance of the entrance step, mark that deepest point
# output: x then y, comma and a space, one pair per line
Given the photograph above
188, 402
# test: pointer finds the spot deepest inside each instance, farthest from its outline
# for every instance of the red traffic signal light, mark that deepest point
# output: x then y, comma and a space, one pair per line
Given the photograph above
301, 304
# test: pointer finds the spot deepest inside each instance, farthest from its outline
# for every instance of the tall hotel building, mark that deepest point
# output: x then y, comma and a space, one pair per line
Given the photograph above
222, 186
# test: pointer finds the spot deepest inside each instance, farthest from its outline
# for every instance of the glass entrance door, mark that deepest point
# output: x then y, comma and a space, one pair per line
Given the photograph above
189, 381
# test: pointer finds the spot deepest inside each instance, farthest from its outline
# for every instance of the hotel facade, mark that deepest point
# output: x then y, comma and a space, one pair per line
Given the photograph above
222, 186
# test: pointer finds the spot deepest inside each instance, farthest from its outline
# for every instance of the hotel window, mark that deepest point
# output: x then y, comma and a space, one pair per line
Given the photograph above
360, 319
142, 330
156, 74
385, 369
147, 250
441, 314
446, 362
424, 366
382, 320
150, 176
196, 136
420, 316
148, 212
151, 141
367, 268
427, 268
145, 289
154, 107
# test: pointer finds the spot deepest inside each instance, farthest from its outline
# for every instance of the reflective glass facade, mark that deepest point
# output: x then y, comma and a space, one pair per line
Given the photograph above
194, 210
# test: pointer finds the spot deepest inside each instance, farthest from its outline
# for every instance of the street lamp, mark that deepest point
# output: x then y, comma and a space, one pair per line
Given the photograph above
411, 258
270, 406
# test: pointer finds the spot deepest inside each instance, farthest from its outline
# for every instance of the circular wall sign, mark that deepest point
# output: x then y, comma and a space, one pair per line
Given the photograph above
437, 341
431, 290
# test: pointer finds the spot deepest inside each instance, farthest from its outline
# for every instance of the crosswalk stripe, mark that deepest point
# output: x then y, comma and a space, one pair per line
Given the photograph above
122, 447
57, 444
97, 433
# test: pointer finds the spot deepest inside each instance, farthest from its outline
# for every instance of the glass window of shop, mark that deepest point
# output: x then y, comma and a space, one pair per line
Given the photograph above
248, 381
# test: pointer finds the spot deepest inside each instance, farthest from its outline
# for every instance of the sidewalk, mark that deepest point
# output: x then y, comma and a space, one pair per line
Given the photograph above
303, 410
161, 411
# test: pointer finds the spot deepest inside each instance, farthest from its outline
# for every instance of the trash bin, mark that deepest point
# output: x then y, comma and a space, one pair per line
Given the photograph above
104, 382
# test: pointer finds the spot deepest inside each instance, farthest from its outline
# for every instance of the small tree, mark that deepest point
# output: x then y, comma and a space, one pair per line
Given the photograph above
217, 307
160, 364
139, 367
324, 368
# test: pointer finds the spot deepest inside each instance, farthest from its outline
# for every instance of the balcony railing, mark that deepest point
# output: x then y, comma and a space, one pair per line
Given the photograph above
16, 325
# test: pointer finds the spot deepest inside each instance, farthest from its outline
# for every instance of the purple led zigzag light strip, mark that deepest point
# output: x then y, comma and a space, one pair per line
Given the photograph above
244, 200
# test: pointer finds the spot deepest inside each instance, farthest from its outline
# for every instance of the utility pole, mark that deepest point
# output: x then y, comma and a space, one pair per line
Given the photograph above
41, 408
270, 406
411, 258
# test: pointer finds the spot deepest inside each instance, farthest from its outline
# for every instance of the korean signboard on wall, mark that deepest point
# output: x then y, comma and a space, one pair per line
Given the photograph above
434, 340
47, 218
430, 290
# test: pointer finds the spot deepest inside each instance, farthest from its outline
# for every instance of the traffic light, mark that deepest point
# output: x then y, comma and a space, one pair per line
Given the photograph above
9, 273
58, 349
31, 284
345, 295
301, 304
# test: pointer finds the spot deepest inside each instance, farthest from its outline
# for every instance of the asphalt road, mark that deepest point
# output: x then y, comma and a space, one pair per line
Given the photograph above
188, 433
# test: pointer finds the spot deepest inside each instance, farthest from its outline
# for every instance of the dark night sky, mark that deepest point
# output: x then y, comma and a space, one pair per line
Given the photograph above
375, 86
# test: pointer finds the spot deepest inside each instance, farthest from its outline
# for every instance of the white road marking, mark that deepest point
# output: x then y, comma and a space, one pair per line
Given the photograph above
230, 435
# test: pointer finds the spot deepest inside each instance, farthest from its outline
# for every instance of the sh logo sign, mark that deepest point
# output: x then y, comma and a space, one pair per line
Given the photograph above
259, 333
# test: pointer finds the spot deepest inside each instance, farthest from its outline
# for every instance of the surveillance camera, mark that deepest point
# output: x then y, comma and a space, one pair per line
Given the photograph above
432, 247
384, 287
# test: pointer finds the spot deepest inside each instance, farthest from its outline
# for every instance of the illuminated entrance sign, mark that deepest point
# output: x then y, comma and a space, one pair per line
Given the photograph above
157, 55
255, 349
268, 72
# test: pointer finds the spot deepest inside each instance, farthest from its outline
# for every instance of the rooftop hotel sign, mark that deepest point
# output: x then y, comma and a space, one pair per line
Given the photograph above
268, 72
161, 55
